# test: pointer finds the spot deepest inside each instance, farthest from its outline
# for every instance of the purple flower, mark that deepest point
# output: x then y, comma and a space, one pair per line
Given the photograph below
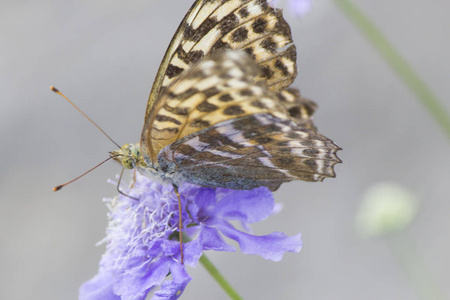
142, 248
297, 7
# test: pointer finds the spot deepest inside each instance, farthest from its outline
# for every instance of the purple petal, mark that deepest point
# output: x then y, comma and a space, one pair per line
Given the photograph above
248, 206
300, 7
212, 240
135, 283
202, 202
193, 251
171, 290
170, 248
271, 246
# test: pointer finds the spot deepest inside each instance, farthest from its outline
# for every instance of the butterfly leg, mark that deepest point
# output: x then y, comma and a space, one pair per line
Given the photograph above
118, 187
134, 178
180, 222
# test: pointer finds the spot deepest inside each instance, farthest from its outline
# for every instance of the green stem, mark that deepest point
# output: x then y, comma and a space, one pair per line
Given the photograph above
410, 259
219, 278
398, 64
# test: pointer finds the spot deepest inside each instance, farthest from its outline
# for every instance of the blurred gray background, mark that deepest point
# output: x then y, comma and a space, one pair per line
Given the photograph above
104, 55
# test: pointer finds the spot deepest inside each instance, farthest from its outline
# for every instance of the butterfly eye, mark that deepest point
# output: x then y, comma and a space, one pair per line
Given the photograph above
128, 163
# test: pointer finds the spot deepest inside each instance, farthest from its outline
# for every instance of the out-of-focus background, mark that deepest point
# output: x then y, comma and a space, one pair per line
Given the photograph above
104, 56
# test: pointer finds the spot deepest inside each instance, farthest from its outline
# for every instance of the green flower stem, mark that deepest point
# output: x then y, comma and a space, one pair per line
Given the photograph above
219, 278
214, 272
400, 65
410, 259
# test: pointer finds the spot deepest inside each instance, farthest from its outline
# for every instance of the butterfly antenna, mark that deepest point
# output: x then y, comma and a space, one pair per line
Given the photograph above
90, 120
57, 188
180, 223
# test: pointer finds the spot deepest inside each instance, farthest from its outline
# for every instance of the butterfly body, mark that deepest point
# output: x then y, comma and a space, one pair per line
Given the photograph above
221, 113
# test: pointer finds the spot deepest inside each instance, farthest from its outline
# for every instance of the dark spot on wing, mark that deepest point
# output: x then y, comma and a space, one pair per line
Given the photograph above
243, 12
310, 163
294, 112
259, 25
182, 111
228, 23
173, 71
191, 57
199, 123
279, 65
187, 94
162, 118
246, 92
258, 104
266, 72
239, 35
203, 29
226, 98
233, 110
170, 129
250, 51
194, 56
269, 44
220, 45
263, 4
211, 92
205, 106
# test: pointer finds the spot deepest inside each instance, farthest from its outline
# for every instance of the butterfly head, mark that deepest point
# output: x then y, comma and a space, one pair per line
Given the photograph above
129, 156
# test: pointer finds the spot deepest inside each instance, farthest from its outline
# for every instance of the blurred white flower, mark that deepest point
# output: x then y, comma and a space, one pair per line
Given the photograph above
386, 207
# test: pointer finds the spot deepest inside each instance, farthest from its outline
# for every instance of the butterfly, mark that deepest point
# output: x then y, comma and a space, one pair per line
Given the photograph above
221, 113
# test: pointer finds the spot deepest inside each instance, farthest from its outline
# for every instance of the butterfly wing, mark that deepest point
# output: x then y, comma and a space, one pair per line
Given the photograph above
209, 25
218, 127
300, 109
251, 151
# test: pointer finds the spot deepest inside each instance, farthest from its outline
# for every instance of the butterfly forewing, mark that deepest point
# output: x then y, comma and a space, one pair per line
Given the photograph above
212, 25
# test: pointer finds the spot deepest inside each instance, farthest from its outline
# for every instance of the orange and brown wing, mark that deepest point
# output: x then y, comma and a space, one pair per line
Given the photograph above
252, 26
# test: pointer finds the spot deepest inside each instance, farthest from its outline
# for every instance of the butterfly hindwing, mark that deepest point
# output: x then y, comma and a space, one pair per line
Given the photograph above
251, 151
299, 108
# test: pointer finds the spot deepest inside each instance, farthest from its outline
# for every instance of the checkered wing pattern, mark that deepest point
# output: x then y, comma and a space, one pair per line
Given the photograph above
210, 25
226, 130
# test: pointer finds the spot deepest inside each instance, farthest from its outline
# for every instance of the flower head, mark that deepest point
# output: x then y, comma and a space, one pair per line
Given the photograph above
142, 244
386, 208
